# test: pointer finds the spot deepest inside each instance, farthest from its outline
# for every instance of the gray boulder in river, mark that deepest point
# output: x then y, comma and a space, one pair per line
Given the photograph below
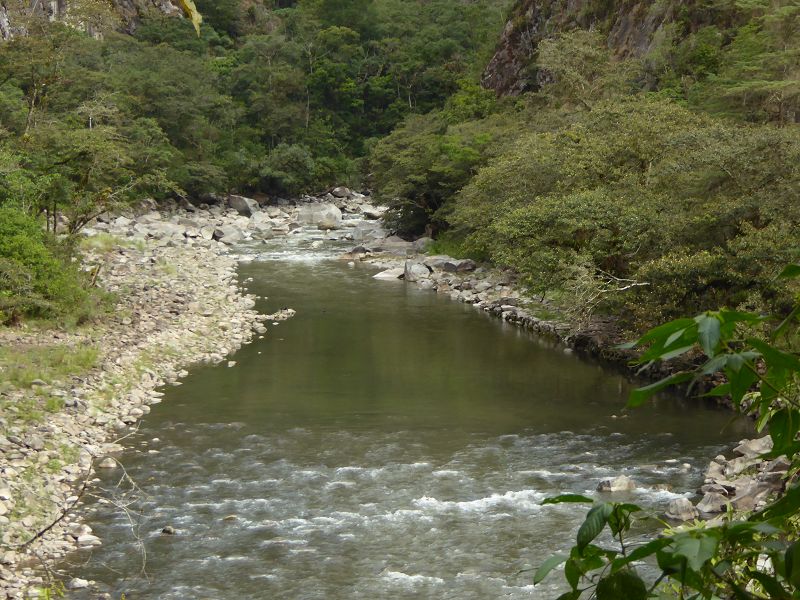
246, 207
324, 215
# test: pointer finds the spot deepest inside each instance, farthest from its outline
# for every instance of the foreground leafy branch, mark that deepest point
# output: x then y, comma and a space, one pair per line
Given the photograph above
740, 556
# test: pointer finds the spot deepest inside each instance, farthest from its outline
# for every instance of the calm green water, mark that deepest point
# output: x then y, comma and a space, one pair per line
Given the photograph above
384, 443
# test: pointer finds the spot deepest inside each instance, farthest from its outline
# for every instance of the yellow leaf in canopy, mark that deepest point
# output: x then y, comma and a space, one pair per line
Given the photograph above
191, 11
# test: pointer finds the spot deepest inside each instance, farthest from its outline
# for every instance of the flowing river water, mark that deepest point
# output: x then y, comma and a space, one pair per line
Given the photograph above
384, 443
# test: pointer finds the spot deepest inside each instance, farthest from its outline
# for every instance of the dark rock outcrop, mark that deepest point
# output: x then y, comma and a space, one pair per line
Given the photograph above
631, 28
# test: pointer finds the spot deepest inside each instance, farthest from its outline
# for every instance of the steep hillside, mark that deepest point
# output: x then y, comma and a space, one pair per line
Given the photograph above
631, 27
130, 12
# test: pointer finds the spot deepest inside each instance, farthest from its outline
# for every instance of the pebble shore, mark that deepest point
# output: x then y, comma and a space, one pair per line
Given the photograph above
176, 305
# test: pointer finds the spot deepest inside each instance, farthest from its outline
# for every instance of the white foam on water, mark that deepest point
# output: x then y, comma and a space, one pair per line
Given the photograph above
521, 500
342, 470
660, 495
334, 485
447, 473
406, 580
282, 542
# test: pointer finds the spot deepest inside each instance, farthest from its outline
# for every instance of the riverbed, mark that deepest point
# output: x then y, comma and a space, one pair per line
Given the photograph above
384, 443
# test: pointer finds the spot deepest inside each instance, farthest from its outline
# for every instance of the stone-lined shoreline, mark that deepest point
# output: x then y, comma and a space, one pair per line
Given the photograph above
178, 305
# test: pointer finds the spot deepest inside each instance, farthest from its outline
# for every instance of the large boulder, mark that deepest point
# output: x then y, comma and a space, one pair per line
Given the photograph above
228, 234
366, 231
372, 212
681, 509
623, 483
323, 215
415, 271
421, 244
754, 448
244, 206
260, 221
341, 192
463, 265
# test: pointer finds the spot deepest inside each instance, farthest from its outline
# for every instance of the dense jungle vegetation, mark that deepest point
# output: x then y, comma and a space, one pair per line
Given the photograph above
274, 98
642, 187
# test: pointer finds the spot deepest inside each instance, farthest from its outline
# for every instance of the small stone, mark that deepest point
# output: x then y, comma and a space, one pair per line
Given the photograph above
107, 463
77, 584
88, 541
231, 363
168, 530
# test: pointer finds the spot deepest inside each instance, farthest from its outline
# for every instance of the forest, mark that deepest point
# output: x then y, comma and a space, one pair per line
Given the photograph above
633, 185
617, 178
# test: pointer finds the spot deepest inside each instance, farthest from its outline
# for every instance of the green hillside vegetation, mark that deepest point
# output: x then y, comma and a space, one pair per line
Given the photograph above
273, 98
639, 188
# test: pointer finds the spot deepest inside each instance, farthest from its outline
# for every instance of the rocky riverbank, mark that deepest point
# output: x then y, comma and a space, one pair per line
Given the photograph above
177, 303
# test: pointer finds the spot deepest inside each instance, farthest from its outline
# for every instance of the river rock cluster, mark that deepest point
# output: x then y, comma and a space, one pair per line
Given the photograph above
491, 290
742, 483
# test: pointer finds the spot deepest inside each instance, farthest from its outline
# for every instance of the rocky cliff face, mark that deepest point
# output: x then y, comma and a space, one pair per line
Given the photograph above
631, 27
130, 11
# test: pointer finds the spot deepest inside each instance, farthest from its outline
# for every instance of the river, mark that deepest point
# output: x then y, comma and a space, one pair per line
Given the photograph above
384, 443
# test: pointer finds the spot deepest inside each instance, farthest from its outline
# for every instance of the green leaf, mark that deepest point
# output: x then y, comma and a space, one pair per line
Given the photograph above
640, 395
781, 329
775, 357
572, 573
547, 566
735, 316
792, 562
568, 498
664, 331
622, 584
723, 389
696, 550
770, 585
783, 427
573, 595
596, 519
675, 336
641, 552
787, 504
708, 332
790, 272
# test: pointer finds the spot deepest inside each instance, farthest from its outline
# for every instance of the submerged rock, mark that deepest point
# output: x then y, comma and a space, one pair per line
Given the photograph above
78, 584
389, 274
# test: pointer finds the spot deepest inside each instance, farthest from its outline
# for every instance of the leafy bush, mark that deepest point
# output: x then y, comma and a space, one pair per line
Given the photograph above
750, 555
34, 280
687, 212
